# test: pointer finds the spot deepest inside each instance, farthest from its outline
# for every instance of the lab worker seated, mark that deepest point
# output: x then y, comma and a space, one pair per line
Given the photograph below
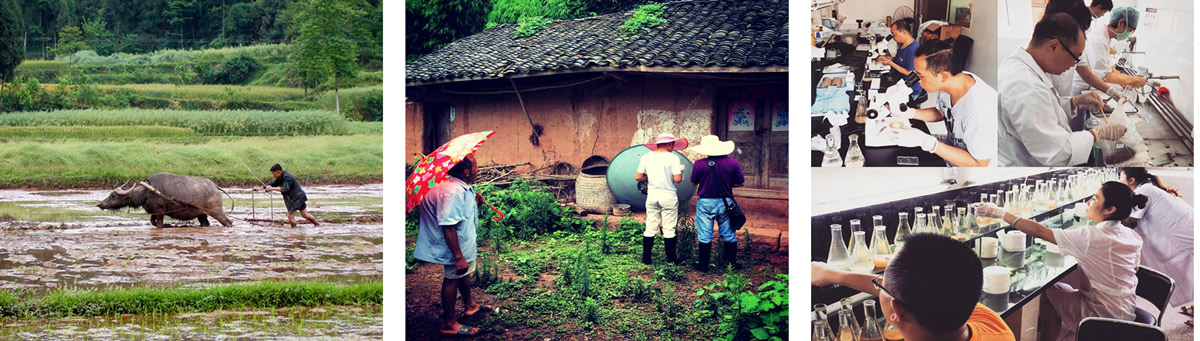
964, 101
902, 33
1107, 253
1033, 123
1099, 61
1167, 226
929, 291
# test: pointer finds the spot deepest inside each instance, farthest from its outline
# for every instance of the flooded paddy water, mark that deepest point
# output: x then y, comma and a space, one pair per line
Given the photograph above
60, 239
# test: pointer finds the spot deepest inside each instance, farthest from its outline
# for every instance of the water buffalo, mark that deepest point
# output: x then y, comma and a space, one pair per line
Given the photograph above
165, 194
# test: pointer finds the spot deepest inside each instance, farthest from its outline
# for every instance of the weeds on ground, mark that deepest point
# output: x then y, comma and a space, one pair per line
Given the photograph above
744, 314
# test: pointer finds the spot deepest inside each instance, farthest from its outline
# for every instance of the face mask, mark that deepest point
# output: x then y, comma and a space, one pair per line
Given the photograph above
1122, 35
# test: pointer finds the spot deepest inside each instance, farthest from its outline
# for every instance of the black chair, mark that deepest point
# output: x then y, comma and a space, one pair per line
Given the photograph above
1106, 329
1155, 287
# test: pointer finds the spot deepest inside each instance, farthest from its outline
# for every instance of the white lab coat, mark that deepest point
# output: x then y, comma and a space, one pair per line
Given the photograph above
1095, 57
1108, 255
1166, 225
972, 121
1033, 123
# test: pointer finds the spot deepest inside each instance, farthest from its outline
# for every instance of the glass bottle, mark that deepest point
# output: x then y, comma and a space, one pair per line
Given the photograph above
972, 221
870, 330
903, 232
846, 330
920, 223
839, 257
881, 251
877, 220
861, 254
1001, 199
833, 158
854, 156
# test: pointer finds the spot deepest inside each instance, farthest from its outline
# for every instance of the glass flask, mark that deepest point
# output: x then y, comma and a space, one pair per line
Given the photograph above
961, 230
821, 331
947, 221
861, 254
903, 232
920, 223
1001, 199
846, 330
832, 157
871, 330
972, 221
854, 156
855, 226
819, 309
890, 333
877, 220
847, 307
839, 257
881, 251
935, 223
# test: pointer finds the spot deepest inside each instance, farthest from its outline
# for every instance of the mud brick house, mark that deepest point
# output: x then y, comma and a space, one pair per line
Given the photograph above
714, 67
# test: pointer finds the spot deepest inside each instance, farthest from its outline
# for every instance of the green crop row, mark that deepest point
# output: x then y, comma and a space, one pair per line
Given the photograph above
155, 300
98, 133
224, 160
226, 122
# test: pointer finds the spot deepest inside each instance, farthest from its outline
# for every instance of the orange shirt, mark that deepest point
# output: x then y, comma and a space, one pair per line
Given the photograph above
986, 325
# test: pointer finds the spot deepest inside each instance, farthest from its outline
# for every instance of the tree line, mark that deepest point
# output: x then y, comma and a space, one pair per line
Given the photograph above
56, 27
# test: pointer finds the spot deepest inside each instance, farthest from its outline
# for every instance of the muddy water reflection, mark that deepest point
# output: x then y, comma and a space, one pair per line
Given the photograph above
52, 239
321, 323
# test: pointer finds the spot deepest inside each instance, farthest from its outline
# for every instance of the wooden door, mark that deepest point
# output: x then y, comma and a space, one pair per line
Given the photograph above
757, 124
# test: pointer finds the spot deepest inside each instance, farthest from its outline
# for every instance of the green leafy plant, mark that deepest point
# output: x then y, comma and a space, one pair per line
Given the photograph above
743, 314
644, 18
637, 289
410, 260
487, 271
530, 211
605, 246
531, 25
671, 273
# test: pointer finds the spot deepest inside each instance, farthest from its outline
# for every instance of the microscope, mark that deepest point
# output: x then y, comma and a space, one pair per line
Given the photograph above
888, 109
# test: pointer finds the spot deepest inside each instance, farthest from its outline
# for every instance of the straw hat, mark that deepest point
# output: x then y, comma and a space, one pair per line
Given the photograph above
712, 146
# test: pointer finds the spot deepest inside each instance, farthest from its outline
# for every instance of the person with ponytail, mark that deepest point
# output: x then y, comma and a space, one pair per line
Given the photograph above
1108, 253
1166, 225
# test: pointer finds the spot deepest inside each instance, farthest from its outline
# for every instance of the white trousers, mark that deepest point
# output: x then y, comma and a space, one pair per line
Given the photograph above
661, 208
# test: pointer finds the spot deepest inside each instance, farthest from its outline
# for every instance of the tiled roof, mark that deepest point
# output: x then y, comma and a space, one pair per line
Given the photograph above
724, 33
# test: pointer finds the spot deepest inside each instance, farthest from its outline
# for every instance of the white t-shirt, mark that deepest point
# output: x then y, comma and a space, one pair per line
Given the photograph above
973, 120
1108, 255
660, 169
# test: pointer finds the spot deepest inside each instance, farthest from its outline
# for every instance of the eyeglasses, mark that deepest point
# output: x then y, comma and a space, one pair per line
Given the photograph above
875, 281
1064, 45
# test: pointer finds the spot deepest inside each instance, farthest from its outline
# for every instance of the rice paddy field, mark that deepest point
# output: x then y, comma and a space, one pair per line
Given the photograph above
88, 123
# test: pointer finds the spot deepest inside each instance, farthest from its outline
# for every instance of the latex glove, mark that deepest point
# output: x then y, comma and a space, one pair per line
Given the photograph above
1109, 131
837, 119
818, 143
1116, 94
1088, 101
990, 210
911, 137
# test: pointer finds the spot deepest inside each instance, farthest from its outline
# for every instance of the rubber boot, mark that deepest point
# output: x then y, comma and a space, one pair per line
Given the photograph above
669, 244
647, 244
731, 254
705, 251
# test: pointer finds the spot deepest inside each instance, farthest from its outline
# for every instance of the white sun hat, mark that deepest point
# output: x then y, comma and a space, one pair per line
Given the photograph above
712, 146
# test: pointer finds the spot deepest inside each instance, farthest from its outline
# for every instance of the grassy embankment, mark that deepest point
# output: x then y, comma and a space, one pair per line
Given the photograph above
61, 149
176, 300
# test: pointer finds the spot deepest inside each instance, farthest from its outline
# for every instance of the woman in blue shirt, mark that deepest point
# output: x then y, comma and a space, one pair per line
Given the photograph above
903, 61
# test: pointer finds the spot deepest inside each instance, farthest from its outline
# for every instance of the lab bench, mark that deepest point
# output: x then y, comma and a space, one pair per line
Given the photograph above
1167, 134
1033, 270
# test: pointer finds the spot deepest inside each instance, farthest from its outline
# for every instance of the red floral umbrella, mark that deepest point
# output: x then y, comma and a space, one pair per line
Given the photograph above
436, 166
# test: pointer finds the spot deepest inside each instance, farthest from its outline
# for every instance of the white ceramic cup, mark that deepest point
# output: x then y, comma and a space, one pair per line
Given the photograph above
989, 247
995, 279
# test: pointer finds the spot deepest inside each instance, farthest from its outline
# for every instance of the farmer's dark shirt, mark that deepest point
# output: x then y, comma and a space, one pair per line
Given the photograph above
709, 185
290, 189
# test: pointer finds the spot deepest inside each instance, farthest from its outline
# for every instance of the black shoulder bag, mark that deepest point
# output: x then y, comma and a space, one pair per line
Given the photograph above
733, 211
